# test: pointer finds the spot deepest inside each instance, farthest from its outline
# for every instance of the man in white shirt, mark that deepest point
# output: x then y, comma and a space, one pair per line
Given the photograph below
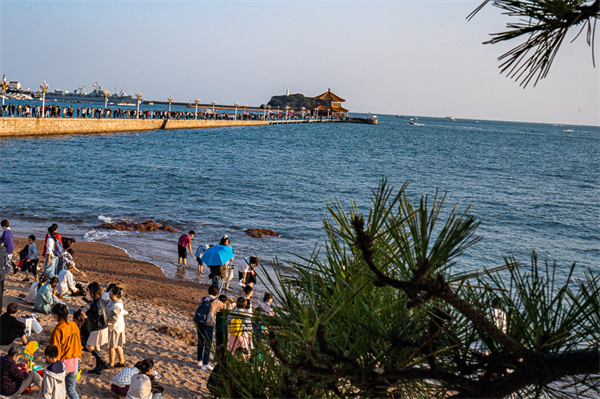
66, 283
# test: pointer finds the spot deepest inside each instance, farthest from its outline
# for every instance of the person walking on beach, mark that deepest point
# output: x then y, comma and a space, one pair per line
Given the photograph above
229, 266
239, 328
53, 252
98, 317
66, 337
205, 320
7, 238
185, 242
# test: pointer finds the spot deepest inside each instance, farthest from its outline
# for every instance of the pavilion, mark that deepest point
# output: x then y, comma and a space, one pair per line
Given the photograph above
328, 104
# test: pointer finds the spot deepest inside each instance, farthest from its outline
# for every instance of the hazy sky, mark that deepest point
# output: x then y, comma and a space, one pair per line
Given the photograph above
394, 57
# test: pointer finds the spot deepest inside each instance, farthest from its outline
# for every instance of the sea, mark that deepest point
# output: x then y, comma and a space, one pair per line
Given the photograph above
533, 186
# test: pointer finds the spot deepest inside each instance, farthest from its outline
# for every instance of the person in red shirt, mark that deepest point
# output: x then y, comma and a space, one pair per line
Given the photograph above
185, 242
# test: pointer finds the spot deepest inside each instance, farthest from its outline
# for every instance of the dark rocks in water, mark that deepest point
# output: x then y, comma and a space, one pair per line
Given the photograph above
260, 233
148, 225
185, 336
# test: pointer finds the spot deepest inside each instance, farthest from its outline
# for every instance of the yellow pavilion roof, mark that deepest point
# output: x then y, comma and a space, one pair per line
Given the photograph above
329, 96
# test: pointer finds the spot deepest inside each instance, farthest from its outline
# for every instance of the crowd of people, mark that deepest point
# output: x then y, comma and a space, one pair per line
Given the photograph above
220, 317
98, 324
90, 112
226, 320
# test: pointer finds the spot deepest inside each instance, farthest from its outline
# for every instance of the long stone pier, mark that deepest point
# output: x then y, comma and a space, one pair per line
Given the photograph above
15, 127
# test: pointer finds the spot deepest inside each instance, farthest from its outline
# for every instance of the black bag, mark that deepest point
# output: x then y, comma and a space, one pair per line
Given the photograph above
203, 316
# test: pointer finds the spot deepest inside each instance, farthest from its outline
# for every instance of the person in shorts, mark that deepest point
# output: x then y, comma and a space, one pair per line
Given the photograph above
31, 261
185, 242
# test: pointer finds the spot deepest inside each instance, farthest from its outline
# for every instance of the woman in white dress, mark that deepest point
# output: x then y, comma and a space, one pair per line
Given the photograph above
116, 327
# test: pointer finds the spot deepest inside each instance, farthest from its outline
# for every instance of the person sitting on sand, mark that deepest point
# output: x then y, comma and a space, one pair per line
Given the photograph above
44, 299
120, 383
13, 380
66, 283
84, 327
53, 383
66, 337
185, 242
98, 317
35, 287
116, 327
144, 385
10, 327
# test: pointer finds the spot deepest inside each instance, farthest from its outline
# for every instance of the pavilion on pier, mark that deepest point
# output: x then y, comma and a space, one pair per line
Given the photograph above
329, 105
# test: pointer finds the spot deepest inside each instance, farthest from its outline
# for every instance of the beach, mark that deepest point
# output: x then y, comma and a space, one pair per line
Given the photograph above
152, 300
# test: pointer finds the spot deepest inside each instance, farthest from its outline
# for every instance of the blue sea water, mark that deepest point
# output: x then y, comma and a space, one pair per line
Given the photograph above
533, 186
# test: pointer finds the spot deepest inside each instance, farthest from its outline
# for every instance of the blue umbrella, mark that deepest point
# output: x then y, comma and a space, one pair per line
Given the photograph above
217, 255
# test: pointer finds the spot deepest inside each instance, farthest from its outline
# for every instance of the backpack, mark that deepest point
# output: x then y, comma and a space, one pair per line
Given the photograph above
203, 316
235, 326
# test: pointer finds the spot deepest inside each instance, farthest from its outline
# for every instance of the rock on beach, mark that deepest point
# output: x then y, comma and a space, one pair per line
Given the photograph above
260, 233
148, 225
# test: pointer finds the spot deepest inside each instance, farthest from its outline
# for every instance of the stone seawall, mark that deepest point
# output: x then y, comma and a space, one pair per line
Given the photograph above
13, 127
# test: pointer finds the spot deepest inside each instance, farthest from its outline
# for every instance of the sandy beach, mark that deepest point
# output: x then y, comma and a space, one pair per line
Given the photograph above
152, 300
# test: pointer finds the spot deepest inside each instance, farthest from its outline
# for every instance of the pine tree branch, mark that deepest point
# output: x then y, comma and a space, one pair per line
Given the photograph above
435, 288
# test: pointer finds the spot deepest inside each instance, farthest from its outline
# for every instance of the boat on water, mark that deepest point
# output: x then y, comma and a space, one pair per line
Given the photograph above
451, 118
568, 130
415, 123
97, 95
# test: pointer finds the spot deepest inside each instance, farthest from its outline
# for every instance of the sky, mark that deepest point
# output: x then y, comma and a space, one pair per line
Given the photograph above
419, 58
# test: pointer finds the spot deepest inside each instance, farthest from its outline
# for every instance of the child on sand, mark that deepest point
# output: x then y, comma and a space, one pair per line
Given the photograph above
266, 305
53, 384
116, 327
238, 330
120, 383
35, 287
32, 259
143, 385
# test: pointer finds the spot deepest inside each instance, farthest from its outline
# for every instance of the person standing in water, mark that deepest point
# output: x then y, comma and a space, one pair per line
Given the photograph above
185, 242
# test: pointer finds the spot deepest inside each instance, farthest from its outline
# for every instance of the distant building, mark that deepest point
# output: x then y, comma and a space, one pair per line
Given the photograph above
14, 85
328, 104
287, 93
